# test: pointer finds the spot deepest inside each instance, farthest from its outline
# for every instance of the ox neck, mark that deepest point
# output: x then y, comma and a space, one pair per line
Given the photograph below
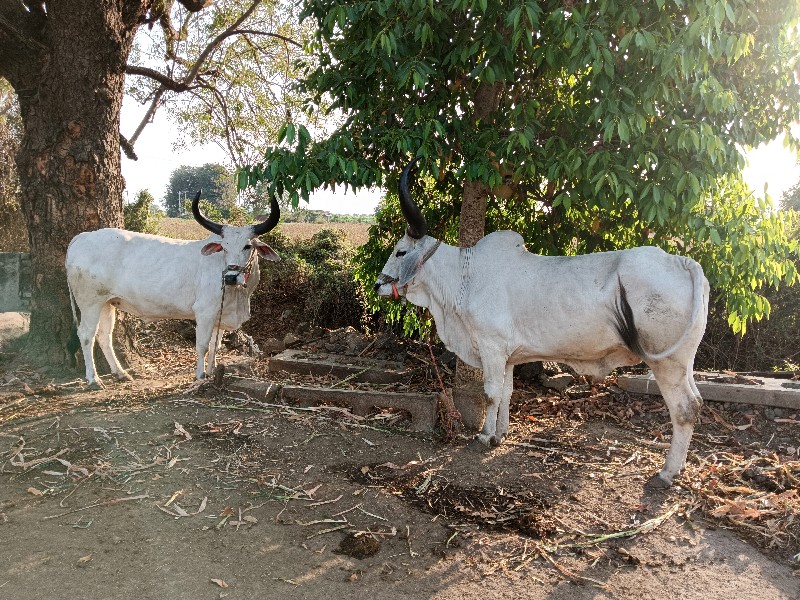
434, 284
430, 252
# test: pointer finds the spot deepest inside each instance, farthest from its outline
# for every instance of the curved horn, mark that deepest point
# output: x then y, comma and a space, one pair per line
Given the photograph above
417, 226
272, 220
202, 219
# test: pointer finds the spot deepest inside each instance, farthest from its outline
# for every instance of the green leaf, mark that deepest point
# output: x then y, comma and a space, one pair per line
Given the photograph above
242, 180
623, 131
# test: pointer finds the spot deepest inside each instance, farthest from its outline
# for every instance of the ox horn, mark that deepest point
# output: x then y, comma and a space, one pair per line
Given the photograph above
272, 220
417, 226
202, 219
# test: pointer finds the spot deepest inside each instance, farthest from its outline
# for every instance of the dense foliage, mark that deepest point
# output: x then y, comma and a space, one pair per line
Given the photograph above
618, 123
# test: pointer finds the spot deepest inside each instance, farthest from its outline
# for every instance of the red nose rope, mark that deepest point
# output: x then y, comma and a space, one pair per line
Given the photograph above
395, 293
449, 414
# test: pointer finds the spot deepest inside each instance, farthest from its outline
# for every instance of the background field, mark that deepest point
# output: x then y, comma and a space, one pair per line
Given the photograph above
188, 229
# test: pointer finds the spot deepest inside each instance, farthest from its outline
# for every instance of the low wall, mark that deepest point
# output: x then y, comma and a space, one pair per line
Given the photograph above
15, 282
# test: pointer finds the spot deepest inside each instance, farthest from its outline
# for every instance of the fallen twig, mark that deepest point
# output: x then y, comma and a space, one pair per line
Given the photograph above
98, 504
350, 377
645, 527
324, 531
38, 461
567, 573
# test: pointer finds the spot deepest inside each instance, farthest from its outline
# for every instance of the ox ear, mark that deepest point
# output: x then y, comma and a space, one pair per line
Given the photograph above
211, 248
264, 251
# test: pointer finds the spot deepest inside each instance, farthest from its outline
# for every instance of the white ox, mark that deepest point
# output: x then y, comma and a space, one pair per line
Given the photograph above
496, 305
156, 278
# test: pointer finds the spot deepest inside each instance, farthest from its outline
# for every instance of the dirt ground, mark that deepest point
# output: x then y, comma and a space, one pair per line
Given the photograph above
161, 489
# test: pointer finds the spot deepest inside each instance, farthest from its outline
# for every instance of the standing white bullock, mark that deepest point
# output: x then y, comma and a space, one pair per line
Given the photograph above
497, 305
156, 278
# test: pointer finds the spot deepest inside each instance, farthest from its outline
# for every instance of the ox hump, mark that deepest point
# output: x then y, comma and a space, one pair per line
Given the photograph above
502, 240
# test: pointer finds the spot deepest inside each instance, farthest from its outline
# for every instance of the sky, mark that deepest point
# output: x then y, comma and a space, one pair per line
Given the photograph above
769, 164
157, 161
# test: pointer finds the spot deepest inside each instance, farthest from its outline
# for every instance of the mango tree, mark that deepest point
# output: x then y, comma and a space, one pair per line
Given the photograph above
583, 125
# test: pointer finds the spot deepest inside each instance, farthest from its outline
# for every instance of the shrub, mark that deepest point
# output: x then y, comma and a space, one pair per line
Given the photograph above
142, 215
772, 343
312, 283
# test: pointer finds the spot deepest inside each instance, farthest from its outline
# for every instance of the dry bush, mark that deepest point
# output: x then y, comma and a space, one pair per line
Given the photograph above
312, 283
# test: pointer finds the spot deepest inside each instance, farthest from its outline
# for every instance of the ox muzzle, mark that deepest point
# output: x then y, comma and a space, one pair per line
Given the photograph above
383, 280
234, 275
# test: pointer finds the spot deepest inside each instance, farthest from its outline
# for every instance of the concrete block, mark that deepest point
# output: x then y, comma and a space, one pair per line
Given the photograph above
772, 392
321, 364
263, 391
423, 407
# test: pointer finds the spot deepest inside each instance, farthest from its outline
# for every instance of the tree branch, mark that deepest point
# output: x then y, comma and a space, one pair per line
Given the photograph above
218, 40
148, 116
268, 34
19, 37
184, 84
165, 81
230, 132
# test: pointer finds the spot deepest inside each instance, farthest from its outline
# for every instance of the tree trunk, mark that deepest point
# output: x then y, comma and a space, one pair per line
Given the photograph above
70, 96
468, 395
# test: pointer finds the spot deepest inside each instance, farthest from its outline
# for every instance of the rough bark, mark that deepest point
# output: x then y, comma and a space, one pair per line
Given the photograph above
468, 394
69, 81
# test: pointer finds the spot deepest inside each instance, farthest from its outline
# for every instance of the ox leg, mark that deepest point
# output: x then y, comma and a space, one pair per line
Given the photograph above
495, 426
683, 401
203, 332
105, 329
87, 330
213, 347
502, 414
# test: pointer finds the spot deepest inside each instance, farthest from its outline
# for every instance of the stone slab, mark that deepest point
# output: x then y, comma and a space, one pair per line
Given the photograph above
264, 391
774, 392
321, 364
423, 407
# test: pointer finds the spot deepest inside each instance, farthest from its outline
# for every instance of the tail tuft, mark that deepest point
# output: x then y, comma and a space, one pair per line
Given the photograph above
624, 323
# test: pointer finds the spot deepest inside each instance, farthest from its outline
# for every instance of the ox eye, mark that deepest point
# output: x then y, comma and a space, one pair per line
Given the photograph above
401, 253
247, 247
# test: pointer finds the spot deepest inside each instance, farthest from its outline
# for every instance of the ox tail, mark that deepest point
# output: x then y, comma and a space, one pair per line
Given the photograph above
72, 305
626, 326
74, 343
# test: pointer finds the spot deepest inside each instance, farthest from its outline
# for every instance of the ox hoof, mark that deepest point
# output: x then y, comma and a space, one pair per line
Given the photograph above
476, 445
495, 440
480, 443
658, 482
96, 386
